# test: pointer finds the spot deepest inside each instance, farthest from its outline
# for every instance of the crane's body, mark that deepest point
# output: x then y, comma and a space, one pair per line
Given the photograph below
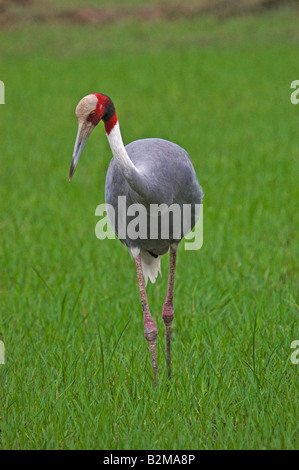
172, 180
146, 172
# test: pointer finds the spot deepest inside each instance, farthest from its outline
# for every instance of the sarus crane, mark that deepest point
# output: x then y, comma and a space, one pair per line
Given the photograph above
147, 172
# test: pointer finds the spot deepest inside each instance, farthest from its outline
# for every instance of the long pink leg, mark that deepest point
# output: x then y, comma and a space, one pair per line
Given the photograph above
150, 329
168, 313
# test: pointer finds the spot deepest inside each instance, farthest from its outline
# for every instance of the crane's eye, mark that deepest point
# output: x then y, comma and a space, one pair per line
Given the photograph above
92, 113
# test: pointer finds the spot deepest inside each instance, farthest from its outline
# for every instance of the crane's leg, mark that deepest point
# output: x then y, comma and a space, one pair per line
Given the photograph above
168, 313
150, 329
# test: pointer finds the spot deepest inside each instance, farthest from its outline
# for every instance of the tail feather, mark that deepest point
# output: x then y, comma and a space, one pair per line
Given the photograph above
151, 266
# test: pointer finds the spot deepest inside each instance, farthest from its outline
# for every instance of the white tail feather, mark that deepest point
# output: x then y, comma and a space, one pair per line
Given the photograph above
151, 267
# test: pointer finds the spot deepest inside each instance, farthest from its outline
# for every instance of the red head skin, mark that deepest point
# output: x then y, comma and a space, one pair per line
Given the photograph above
104, 111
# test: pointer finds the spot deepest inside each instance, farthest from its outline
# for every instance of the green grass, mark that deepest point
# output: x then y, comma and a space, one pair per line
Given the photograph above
78, 372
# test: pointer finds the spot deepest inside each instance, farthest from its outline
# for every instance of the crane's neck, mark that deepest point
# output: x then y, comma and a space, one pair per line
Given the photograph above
136, 180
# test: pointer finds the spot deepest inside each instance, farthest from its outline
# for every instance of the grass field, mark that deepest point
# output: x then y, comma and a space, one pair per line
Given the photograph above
78, 372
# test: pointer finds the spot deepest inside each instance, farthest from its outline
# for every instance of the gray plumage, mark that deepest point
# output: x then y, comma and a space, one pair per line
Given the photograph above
171, 179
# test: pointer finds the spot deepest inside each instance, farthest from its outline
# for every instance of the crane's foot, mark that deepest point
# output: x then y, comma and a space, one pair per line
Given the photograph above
167, 313
150, 329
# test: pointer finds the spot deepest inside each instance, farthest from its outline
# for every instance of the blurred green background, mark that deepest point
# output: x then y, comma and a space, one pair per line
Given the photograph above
215, 78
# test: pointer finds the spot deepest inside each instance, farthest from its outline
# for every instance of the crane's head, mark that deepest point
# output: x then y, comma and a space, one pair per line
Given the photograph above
90, 111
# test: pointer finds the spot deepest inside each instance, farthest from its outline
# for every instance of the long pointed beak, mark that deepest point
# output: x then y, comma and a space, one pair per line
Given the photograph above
83, 133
